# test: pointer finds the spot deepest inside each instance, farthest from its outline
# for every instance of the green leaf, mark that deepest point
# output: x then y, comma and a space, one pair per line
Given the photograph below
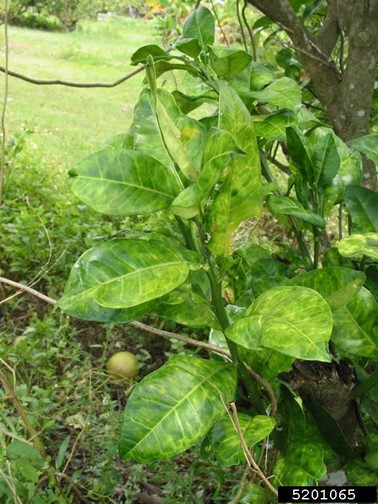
189, 46
22, 450
283, 93
174, 407
227, 62
240, 196
271, 127
156, 52
62, 452
324, 156
145, 133
187, 103
184, 307
226, 442
123, 183
368, 145
267, 363
361, 474
261, 75
302, 460
184, 137
302, 467
336, 285
283, 205
330, 429
124, 273
200, 25
356, 326
349, 174
360, 244
299, 152
219, 150
362, 205
295, 321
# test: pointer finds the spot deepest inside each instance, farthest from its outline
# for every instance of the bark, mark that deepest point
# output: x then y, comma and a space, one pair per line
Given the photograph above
346, 93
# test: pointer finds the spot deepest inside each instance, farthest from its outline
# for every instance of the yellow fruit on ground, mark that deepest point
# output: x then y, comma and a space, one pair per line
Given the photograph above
122, 365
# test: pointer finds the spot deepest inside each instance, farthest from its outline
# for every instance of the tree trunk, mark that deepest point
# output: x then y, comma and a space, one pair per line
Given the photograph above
345, 90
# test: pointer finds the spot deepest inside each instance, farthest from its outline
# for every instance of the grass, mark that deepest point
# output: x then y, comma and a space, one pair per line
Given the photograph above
70, 123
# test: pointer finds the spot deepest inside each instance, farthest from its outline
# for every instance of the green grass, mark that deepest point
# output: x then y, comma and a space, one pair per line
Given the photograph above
70, 123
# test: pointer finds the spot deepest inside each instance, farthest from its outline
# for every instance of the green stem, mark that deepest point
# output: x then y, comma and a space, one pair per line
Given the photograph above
316, 246
221, 315
186, 233
298, 234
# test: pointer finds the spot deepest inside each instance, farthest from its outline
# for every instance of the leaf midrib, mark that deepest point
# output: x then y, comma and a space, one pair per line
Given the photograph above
112, 181
172, 410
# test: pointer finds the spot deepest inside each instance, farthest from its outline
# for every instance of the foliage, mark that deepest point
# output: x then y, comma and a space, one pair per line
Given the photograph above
276, 311
57, 14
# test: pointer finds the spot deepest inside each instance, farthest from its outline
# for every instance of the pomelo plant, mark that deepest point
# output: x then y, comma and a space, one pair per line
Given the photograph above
294, 326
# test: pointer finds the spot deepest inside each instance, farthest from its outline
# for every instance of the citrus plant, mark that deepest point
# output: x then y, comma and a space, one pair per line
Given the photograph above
292, 330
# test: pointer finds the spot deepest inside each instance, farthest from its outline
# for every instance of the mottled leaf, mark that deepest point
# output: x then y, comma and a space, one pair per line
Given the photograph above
184, 137
124, 273
302, 459
271, 127
144, 132
360, 244
283, 93
295, 321
362, 205
174, 407
227, 447
123, 183
336, 285
219, 150
356, 326
240, 195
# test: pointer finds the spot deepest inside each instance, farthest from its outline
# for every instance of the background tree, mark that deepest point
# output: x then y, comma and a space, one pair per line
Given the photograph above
338, 50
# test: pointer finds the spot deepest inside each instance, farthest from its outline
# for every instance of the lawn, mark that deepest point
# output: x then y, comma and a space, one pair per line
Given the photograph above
69, 123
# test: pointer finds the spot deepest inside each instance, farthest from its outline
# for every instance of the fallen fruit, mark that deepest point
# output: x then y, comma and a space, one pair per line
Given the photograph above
122, 365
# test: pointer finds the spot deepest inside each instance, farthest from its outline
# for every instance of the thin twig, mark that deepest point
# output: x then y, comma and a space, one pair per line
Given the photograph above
44, 82
254, 52
164, 334
219, 23
6, 89
284, 168
250, 460
25, 288
267, 387
242, 483
13, 436
74, 487
138, 325
181, 337
241, 25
